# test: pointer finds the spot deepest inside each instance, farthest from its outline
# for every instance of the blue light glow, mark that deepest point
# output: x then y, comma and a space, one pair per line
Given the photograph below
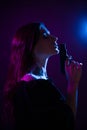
82, 30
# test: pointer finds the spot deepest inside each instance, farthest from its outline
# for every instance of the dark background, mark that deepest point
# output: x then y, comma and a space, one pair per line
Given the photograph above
61, 18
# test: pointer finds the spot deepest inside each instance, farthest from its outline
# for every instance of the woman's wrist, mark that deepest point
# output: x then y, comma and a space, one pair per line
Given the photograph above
72, 87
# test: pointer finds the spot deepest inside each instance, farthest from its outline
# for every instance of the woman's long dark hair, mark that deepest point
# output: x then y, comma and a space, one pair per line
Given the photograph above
21, 61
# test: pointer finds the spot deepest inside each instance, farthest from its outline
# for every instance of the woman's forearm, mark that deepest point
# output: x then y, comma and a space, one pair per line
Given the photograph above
72, 97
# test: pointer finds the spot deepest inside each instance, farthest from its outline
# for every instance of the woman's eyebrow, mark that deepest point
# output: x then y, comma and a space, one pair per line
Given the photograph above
46, 31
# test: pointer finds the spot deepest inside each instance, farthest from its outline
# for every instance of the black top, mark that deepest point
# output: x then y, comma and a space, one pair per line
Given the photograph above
38, 104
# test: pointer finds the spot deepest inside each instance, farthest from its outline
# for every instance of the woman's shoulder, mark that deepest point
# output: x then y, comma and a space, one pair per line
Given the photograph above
38, 87
36, 83
31, 85
23, 85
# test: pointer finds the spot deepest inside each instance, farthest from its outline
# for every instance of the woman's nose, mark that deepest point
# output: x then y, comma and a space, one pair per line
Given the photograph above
55, 38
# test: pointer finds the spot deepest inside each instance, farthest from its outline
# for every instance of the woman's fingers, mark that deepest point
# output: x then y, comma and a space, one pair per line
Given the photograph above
73, 70
73, 63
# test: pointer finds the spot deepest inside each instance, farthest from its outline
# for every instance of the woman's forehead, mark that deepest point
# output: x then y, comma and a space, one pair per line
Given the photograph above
43, 28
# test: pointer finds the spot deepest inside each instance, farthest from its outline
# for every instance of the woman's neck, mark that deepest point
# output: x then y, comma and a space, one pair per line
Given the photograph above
39, 72
40, 69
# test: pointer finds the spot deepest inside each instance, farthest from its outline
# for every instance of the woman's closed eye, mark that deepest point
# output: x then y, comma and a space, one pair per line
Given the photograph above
45, 35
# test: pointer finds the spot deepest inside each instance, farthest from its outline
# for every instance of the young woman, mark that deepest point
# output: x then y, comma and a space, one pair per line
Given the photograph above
30, 98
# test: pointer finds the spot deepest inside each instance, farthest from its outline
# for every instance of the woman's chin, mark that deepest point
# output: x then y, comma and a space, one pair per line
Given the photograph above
56, 51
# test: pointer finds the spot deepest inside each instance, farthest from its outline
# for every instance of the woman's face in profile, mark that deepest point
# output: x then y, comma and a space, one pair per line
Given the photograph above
47, 43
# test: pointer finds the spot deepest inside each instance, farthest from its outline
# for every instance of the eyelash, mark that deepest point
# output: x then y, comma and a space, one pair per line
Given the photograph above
45, 35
